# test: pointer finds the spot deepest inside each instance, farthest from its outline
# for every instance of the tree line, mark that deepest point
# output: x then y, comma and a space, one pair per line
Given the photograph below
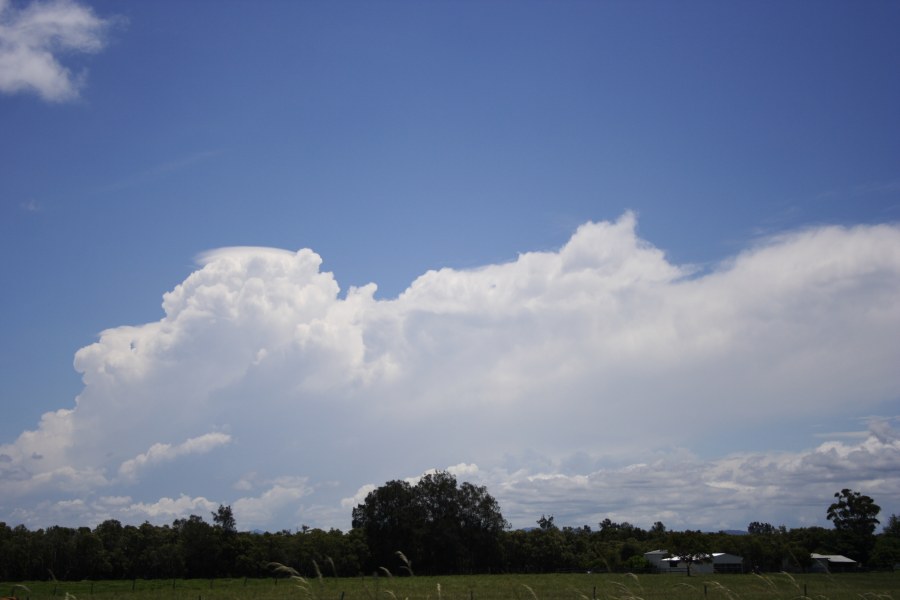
436, 526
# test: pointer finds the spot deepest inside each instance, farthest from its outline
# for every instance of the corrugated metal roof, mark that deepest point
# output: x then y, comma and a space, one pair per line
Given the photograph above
835, 558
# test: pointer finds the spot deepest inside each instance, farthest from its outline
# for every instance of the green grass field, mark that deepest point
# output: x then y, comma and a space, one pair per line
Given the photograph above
868, 586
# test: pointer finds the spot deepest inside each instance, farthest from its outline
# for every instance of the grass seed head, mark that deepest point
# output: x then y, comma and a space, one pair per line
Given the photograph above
530, 591
407, 564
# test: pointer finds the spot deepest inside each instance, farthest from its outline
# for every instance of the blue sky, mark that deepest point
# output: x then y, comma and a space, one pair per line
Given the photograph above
724, 175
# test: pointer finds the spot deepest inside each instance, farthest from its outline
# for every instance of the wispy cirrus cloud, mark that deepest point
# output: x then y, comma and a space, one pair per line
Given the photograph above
159, 171
34, 39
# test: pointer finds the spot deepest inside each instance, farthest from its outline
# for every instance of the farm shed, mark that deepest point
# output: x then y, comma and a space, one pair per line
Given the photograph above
727, 563
717, 562
832, 563
655, 558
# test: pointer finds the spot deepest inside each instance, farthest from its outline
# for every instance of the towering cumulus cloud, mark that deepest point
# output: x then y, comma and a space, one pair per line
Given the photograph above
599, 379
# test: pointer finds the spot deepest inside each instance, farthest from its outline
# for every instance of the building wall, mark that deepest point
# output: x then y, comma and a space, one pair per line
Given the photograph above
723, 563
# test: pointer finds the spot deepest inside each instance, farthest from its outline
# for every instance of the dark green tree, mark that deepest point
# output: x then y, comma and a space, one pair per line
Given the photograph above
481, 523
854, 512
88, 554
226, 540
388, 520
549, 550
765, 546
691, 547
892, 528
223, 519
157, 552
23, 552
114, 562
610, 530
886, 552
757, 528
199, 550
59, 551
854, 516
438, 525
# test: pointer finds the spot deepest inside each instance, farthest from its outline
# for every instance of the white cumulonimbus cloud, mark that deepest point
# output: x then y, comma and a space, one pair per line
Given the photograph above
32, 40
596, 380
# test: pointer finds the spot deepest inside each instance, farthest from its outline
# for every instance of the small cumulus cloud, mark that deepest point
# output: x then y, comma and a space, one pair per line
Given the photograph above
34, 38
162, 453
246, 483
284, 494
359, 497
463, 470
583, 382
167, 509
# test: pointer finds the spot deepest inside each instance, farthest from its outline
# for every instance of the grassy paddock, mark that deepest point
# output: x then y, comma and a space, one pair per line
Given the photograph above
868, 586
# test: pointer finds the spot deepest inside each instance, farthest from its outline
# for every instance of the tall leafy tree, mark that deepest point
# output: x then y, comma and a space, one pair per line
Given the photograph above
223, 519
854, 516
481, 523
387, 518
758, 528
854, 511
114, 561
691, 547
765, 547
226, 540
438, 525
199, 549
892, 528
88, 554
886, 552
